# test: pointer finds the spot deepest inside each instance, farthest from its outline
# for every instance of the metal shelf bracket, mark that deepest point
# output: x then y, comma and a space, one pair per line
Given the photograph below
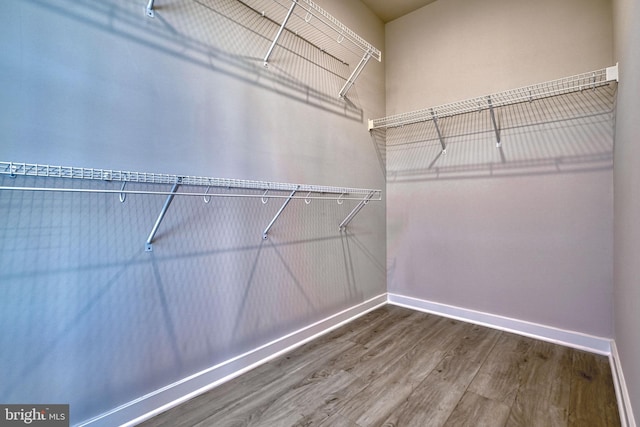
149, 9
612, 73
355, 210
279, 33
435, 122
355, 74
149, 246
493, 121
265, 233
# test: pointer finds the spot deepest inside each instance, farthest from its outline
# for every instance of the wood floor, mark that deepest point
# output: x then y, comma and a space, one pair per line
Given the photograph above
398, 367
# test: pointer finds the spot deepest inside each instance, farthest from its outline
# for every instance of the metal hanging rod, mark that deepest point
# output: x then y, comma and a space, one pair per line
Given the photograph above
579, 82
206, 195
47, 171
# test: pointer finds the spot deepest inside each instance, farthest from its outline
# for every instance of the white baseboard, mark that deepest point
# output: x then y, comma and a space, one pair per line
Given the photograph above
145, 407
154, 403
572, 339
622, 394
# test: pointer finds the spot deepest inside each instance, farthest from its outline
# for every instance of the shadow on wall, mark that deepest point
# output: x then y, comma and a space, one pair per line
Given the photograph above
91, 319
562, 134
228, 37
522, 231
379, 141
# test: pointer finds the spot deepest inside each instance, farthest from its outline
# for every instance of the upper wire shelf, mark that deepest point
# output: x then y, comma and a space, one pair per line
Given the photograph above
579, 82
340, 31
315, 25
320, 28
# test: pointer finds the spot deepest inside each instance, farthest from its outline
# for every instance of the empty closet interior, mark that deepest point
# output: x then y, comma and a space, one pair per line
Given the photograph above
189, 188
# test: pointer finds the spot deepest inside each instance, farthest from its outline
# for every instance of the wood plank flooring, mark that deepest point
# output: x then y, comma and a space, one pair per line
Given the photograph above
398, 367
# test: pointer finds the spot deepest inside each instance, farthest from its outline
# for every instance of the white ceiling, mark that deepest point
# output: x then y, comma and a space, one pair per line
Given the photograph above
388, 10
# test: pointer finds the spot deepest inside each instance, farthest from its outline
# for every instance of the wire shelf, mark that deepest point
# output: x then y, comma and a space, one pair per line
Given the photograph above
308, 21
340, 29
47, 171
315, 24
579, 82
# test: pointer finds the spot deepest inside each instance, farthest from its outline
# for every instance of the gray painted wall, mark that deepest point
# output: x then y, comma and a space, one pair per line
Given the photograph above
88, 317
526, 231
627, 203
453, 50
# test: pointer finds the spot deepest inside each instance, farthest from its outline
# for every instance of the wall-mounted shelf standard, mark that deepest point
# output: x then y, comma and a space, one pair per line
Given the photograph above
264, 190
580, 82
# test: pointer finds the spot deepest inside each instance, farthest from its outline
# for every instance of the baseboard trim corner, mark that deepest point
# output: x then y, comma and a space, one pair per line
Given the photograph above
567, 338
622, 394
137, 411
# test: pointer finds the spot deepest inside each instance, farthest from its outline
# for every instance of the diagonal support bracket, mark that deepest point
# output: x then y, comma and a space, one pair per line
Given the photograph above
265, 233
435, 122
149, 246
355, 74
355, 210
493, 121
149, 9
279, 33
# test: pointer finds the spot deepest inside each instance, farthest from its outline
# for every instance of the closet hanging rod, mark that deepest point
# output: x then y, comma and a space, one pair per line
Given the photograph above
184, 193
14, 169
579, 82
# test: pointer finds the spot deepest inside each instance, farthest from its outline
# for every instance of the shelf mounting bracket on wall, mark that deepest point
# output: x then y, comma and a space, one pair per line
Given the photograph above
355, 211
279, 33
355, 74
149, 9
265, 233
149, 246
435, 122
493, 121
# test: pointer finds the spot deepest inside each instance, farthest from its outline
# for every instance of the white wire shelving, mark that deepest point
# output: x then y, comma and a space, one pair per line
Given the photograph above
311, 22
308, 20
255, 189
577, 83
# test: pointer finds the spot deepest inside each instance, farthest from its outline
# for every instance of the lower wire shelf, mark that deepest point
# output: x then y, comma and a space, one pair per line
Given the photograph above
264, 190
